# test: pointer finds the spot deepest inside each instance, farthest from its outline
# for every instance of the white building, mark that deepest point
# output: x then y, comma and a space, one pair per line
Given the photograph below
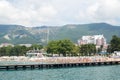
35, 53
98, 40
6, 44
27, 45
117, 53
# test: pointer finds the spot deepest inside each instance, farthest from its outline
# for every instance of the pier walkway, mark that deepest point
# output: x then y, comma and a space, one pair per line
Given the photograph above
57, 65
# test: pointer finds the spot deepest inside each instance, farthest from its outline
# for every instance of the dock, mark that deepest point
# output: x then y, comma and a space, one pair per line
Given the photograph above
55, 65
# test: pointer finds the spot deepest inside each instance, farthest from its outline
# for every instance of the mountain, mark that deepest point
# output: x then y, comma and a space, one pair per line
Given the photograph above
15, 34
18, 34
75, 32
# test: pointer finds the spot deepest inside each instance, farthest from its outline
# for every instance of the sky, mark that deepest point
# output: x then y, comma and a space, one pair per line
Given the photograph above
59, 12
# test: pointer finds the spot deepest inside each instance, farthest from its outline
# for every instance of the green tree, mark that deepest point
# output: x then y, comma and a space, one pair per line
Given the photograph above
64, 47
87, 49
109, 49
36, 46
2, 51
52, 47
8, 50
24, 49
17, 50
115, 44
75, 51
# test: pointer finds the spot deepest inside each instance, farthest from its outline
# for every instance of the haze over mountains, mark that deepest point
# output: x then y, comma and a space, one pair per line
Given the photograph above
17, 34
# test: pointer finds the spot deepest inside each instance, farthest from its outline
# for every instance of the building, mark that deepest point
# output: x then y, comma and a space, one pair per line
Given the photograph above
6, 44
117, 53
35, 53
98, 40
27, 45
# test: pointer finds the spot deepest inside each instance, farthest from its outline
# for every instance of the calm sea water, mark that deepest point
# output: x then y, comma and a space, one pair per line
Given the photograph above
79, 73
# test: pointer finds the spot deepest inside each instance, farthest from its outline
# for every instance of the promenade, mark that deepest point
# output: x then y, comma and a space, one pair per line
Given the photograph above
55, 62
81, 59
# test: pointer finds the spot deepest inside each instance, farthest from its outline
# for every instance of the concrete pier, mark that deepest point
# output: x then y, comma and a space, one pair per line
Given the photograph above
61, 65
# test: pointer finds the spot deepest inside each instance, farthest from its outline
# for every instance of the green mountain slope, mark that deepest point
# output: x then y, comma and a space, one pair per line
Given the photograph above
74, 32
18, 34
15, 34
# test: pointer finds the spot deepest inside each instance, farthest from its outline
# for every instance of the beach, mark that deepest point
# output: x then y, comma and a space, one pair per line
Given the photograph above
81, 59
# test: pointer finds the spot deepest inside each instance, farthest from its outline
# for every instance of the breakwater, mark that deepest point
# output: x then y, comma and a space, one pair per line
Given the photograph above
58, 65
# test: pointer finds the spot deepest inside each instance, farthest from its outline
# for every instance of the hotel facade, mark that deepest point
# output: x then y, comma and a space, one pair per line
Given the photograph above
98, 40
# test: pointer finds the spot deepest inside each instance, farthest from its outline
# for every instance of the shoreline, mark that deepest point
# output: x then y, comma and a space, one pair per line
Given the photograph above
54, 60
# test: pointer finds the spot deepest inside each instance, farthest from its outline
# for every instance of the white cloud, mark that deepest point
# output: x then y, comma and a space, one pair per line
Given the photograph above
11, 14
101, 11
46, 12
58, 12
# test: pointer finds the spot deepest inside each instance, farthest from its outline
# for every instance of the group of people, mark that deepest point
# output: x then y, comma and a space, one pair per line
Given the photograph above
81, 59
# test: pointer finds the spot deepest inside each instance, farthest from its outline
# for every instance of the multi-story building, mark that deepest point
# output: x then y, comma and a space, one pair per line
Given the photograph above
98, 40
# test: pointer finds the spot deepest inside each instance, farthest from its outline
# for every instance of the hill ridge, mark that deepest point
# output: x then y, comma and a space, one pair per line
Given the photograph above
18, 34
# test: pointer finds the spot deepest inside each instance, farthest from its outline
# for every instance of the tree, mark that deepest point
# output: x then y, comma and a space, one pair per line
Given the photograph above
17, 50
8, 50
109, 49
75, 51
36, 46
2, 51
64, 47
52, 47
87, 49
115, 44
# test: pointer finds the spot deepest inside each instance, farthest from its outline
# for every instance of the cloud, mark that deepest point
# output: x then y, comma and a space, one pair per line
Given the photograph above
28, 15
101, 11
58, 12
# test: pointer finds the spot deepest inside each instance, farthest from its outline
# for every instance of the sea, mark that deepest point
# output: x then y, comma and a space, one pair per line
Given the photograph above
111, 72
